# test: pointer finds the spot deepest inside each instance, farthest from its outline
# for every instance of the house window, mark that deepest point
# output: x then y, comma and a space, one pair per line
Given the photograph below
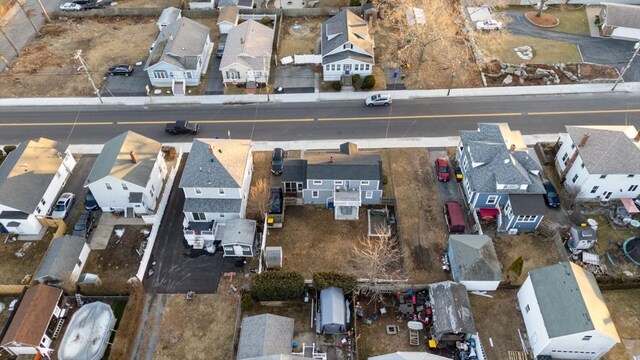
151, 193
198, 191
333, 67
221, 191
317, 182
233, 75
573, 146
221, 215
603, 176
338, 182
124, 186
38, 209
108, 186
633, 188
527, 218
43, 202
326, 67
575, 177
527, 308
315, 194
367, 67
587, 338
356, 67
364, 182
564, 158
582, 166
594, 189
189, 75
368, 195
338, 67
160, 74
197, 216
492, 199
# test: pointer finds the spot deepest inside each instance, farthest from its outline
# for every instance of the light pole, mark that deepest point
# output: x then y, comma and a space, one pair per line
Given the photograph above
635, 53
83, 66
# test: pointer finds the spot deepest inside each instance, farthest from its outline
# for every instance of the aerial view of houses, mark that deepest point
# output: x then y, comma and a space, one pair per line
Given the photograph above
319, 179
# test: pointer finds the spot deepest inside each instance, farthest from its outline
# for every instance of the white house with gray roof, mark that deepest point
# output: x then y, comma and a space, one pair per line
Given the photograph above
347, 47
215, 181
128, 175
343, 180
600, 162
247, 55
63, 262
620, 21
474, 262
500, 172
31, 177
565, 314
180, 55
265, 335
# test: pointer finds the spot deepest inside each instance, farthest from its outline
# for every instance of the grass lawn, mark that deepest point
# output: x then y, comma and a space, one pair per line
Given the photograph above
605, 233
572, 20
14, 269
536, 251
544, 51
625, 311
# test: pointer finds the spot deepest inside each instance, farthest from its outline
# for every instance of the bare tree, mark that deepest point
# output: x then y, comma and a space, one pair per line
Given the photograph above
259, 198
29, 13
540, 6
13, 45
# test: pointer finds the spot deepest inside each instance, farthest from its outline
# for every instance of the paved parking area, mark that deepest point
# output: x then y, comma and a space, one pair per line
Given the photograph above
450, 190
75, 184
214, 81
178, 268
295, 79
133, 85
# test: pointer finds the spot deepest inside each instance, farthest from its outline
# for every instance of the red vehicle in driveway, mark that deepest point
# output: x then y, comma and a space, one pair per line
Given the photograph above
442, 169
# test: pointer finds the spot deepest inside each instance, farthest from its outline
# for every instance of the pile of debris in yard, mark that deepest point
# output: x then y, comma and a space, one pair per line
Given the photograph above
504, 74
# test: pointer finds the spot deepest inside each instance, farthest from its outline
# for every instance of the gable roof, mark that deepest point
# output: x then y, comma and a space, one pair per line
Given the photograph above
488, 148
475, 258
228, 14
342, 164
115, 159
216, 163
179, 44
451, 309
32, 316
265, 334
570, 301
60, 258
248, 44
623, 15
169, 15
27, 172
609, 149
344, 27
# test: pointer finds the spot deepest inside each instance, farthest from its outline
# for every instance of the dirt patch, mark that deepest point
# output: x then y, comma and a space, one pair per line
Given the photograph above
298, 311
203, 327
47, 66
545, 20
536, 251
611, 254
420, 219
260, 182
15, 270
302, 41
593, 71
584, 72
625, 311
116, 264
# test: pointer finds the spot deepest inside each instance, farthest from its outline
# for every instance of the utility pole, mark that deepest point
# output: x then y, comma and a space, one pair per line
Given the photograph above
44, 11
83, 66
635, 53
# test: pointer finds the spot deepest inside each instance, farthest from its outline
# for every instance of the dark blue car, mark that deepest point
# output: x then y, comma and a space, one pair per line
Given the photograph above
551, 196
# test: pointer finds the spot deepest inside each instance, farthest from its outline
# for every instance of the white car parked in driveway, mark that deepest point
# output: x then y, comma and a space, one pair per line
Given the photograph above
488, 25
63, 206
70, 7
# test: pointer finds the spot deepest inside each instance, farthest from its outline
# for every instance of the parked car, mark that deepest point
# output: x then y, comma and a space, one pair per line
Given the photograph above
378, 100
276, 161
96, 5
85, 224
489, 25
90, 202
182, 127
120, 69
551, 196
63, 206
70, 7
275, 201
220, 50
454, 216
82, 2
442, 169
12, 305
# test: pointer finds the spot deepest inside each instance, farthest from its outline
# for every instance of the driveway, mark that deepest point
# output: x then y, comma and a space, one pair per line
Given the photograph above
450, 190
133, 85
214, 82
595, 50
75, 185
178, 268
295, 79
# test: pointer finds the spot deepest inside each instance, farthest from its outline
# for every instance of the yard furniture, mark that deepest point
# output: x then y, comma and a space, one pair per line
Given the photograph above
414, 332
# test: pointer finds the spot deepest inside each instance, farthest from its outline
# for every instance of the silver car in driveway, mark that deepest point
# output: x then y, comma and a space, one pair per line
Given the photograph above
63, 206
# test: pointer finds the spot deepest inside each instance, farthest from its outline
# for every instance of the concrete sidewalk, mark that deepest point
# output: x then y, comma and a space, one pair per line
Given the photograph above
333, 96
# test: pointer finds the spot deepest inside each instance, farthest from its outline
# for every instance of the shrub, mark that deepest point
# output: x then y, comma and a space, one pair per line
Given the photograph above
277, 286
385, 180
336, 85
9, 148
247, 302
356, 80
354, 3
324, 280
266, 21
369, 82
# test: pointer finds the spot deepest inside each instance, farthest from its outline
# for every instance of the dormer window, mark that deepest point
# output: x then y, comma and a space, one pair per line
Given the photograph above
347, 46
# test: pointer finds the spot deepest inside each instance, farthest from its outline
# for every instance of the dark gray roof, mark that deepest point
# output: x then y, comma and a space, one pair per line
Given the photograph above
525, 204
27, 172
570, 301
237, 231
181, 43
264, 335
60, 258
608, 150
14, 215
212, 205
294, 170
328, 165
489, 148
344, 27
216, 163
451, 309
475, 258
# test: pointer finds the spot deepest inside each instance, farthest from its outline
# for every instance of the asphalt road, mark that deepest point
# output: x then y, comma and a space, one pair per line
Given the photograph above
321, 120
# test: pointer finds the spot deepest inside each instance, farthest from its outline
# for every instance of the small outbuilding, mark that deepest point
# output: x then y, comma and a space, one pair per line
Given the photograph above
265, 335
452, 315
474, 262
227, 19
582, 238
332, 312
620, 21
88, 333
237, 237
64, 260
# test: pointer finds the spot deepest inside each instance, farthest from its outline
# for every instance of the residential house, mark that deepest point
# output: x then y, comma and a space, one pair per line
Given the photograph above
343, 180
565, 314
500, 173
409, 355
35, 323
64, 260
452, 315
215, 181
474, 262
600, 162
227, 19
346, 47
180, 55
620, 21
31, 177
168, 16
128, 175
237, 237
247, 55
240, 4
265, 335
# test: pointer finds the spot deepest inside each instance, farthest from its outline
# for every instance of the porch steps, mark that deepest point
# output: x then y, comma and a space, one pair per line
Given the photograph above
79, 300
179, 87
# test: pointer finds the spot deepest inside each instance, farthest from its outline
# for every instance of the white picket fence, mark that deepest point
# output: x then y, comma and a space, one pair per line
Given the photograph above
258, 17
301, 59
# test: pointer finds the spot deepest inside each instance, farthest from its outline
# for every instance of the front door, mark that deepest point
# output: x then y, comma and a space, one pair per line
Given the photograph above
347, 69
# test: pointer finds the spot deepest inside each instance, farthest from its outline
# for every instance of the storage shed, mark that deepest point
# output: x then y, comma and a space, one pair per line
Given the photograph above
265, 335
452, 316
237, 237
88, 333
64, 260
582, 238
474, 262
227, 19
332, 312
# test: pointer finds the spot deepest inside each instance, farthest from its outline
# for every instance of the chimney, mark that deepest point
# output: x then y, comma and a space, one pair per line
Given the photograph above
512, 149
133, 157
637, 138
584, 139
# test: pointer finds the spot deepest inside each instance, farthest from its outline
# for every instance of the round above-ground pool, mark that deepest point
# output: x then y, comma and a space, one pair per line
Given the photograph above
631, 248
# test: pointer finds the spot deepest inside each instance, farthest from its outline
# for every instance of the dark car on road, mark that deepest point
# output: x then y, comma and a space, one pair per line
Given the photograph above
442, 169
120, 69
90, 202
182, 127
551, 196
276, 161
85, 224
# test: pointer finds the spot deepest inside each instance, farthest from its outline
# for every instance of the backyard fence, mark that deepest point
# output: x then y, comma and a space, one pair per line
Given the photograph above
7, 290
301, 59
258, 17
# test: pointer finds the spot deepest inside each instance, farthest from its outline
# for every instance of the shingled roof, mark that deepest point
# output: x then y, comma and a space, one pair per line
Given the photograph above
216, 163
608, 149
264, 335
474, 257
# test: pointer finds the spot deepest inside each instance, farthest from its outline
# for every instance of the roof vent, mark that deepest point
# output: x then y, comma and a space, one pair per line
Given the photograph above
132, 155
506, 161
200, 168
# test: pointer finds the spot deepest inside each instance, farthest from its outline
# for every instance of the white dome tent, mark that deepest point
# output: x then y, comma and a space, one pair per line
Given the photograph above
88, 333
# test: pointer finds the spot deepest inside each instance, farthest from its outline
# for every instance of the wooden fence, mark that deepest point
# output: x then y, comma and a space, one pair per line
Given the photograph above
11, 290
